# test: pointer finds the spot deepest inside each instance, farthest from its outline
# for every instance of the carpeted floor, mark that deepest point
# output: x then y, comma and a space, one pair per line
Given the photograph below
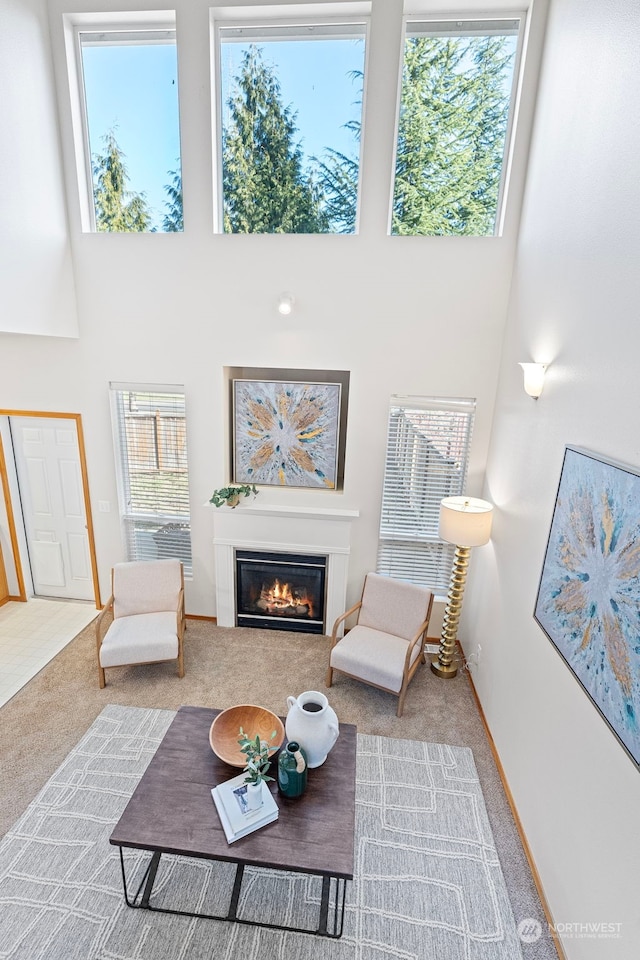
45, 720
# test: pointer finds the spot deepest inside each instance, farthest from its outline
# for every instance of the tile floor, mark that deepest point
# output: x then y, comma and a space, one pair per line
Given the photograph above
32, 633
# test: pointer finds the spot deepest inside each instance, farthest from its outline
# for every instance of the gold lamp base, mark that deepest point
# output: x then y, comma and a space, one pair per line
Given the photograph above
442, 670
443, 665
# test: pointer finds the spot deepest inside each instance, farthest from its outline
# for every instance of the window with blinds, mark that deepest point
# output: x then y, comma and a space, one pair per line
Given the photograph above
153, 481
428, 446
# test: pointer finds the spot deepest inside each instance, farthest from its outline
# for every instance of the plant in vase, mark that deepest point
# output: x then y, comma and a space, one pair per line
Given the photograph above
256, 752
231, 495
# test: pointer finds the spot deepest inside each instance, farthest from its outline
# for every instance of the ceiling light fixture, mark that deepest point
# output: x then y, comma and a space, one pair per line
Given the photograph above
285, 304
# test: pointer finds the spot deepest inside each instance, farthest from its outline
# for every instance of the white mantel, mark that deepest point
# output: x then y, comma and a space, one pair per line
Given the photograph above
311, 530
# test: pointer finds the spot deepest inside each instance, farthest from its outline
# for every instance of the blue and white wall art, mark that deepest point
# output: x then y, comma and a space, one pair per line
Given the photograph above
588, 600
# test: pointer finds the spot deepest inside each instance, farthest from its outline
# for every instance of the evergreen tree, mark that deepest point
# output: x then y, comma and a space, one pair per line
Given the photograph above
118, 210
173, 221
451, 135
265, 187
338, 179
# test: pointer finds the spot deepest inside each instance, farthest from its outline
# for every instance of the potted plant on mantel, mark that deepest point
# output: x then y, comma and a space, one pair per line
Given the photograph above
230, 496
257, 753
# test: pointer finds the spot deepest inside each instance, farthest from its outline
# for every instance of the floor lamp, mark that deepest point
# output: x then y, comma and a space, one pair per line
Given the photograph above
466, 522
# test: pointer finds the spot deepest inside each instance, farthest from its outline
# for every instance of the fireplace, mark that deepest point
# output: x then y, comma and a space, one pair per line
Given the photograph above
318, 533
280, 591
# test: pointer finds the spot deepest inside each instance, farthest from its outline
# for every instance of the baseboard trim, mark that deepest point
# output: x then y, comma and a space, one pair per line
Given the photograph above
523, 837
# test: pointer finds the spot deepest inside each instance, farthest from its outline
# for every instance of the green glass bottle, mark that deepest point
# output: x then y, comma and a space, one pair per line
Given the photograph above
292, 770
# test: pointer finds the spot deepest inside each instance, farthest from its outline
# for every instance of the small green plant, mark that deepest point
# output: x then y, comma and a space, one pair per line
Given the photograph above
257, 754
231, 495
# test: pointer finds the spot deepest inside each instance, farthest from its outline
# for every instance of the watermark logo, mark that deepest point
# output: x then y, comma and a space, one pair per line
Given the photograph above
529, 930
593, 930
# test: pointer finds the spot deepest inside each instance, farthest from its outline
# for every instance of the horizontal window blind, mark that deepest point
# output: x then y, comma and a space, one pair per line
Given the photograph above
125, 37
247, 33
151, 446
464, 28
428, 444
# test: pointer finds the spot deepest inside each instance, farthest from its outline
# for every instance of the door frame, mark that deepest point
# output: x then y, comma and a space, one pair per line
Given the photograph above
85, 489
13, 536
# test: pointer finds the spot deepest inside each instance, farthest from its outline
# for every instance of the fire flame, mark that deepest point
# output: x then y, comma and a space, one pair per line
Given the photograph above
279, 597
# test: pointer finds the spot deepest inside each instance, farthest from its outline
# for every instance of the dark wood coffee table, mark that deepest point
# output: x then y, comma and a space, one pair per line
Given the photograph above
172, 812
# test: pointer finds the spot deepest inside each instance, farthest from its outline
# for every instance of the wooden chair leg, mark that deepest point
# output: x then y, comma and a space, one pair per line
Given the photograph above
329, 678
101, 677
181, 664
401, 696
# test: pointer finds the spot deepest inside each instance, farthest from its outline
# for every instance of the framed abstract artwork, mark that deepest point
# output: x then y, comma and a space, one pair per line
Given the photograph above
288, 428
588, 601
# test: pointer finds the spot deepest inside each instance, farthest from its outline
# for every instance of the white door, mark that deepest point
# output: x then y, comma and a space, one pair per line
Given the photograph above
50, 481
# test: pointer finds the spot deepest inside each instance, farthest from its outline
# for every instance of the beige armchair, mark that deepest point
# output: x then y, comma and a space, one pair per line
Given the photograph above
386, 646
147, 603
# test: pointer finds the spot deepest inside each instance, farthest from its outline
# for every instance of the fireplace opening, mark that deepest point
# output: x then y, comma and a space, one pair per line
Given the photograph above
280, 591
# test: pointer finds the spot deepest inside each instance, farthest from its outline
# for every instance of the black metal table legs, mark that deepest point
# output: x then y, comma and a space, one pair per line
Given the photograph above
332, 907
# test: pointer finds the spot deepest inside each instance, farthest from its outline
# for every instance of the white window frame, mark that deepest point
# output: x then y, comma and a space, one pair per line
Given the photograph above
125, 25
253, 19
451, 19
129, 517
409, 546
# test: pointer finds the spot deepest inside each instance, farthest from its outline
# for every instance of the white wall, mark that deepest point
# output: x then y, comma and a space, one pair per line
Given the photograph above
574, 303
36, 278
413, 315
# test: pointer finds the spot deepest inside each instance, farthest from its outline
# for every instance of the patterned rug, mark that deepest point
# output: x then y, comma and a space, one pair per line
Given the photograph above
428, 882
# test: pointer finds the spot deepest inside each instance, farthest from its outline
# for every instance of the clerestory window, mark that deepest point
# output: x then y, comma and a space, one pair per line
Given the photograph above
127, 124
428, 445
458, 89
289, 102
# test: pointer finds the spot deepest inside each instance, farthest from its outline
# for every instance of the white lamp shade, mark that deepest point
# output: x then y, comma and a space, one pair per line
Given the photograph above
465, 521
534, 378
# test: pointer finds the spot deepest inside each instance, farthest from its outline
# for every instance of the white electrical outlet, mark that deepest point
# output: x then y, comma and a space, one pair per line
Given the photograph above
478, 653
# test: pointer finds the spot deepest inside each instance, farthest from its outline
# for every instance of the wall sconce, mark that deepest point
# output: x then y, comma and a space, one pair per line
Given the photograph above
533, 378
285, 304
465, 521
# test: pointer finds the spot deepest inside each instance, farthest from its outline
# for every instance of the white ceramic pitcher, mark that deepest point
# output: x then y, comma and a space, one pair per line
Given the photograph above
313, 723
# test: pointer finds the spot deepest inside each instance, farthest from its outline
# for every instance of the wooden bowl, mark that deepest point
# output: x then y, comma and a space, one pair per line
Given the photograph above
225, 730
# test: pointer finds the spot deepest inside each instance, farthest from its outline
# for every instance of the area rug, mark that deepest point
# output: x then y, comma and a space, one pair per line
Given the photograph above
428, 883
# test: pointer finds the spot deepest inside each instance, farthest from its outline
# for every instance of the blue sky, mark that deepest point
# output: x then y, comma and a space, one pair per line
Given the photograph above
134, 91
315, 78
